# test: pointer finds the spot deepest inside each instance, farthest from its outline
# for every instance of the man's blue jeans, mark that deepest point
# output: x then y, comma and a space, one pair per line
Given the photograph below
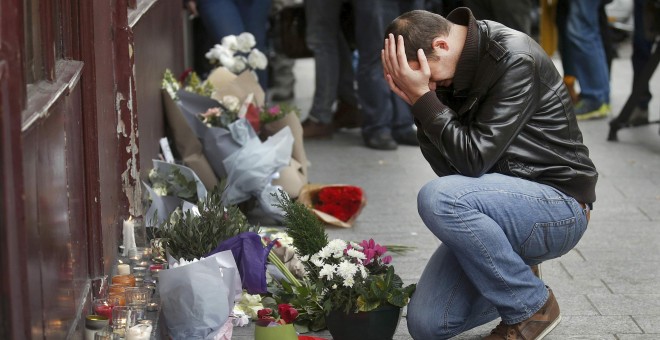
332, 57
492, 229
225, 17
582, 52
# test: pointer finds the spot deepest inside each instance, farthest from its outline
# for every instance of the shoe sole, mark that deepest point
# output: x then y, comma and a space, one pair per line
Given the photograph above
549, 329
591, 115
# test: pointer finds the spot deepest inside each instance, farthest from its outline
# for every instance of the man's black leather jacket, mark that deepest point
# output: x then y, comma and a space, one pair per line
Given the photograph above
510, 113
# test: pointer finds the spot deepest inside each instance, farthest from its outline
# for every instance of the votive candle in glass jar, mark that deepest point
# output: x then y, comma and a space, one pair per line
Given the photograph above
103, 307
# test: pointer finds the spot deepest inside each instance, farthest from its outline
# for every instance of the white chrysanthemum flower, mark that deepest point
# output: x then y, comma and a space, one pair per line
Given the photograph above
316, 260
356, 246
334, 286
245, 41
324, 253
363, 271
232, 103
230, 42
240, 64
346, 269
337, 247
349, 282
356, 254
327, 271
284, 239
257, 60
304, 258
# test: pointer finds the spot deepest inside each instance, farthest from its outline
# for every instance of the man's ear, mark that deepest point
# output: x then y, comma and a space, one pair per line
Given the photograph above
440, 43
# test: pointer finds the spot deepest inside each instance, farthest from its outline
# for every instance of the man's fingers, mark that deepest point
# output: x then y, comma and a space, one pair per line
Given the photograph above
397, 90
391, 50
401, 53
386, 68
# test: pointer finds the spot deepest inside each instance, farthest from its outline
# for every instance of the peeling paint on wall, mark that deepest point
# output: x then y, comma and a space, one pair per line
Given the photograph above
121, 128
130, 176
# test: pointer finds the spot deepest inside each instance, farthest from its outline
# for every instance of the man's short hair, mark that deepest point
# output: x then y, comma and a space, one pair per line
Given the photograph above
419, 28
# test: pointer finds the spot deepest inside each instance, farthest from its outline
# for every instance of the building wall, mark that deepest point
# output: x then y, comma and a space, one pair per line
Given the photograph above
74, 146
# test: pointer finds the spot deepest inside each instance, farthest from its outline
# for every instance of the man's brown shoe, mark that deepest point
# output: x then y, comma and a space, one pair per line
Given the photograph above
534, 328
312, 129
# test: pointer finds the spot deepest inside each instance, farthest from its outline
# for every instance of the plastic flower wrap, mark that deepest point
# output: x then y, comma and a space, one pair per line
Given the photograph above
198, 297
171, 185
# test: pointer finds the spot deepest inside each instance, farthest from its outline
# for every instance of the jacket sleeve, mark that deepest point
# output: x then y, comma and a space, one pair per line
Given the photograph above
474, 147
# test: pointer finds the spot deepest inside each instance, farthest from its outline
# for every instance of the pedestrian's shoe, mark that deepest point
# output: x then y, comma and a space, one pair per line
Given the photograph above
536, 327
312, 129
406, 137
587, 109
536, 270
347, 116
380, 141
639, 116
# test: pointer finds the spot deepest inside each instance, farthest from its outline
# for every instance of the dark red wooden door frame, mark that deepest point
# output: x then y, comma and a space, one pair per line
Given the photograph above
14, 312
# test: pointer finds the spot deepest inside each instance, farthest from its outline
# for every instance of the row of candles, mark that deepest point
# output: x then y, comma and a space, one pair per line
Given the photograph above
120, 306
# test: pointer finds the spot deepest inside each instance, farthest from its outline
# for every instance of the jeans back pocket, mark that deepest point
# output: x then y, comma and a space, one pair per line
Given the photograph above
549, 240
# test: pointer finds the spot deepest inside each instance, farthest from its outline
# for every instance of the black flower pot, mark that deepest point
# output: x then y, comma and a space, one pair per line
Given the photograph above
378, 324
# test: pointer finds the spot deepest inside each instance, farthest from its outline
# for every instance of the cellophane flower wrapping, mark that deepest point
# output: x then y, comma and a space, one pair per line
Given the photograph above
294, 176
177, 185
251, 169
198, 297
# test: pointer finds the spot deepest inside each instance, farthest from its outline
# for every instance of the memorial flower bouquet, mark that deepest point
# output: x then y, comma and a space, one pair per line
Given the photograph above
340, 275
238, 53
335, 204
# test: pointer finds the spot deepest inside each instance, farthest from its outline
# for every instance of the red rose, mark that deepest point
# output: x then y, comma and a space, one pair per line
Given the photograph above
342, 202
287, 312
265, 313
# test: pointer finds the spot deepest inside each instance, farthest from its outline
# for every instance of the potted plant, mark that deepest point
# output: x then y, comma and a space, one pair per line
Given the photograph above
190, 235
354, 284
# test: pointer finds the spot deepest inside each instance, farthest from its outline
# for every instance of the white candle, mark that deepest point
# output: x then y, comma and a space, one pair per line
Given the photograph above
123, 269
139, 332
129, 236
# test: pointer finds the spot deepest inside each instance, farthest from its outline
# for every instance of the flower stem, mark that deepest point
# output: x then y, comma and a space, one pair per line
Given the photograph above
272, 257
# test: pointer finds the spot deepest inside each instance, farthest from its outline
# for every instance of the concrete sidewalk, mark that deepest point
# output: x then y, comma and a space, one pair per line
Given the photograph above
608, 287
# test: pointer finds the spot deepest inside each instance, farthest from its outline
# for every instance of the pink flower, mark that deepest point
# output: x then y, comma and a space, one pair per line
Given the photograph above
387, 259
214, 111
274, 111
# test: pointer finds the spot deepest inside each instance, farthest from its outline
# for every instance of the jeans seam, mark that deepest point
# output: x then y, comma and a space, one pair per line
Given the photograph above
446, 312
529, 313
